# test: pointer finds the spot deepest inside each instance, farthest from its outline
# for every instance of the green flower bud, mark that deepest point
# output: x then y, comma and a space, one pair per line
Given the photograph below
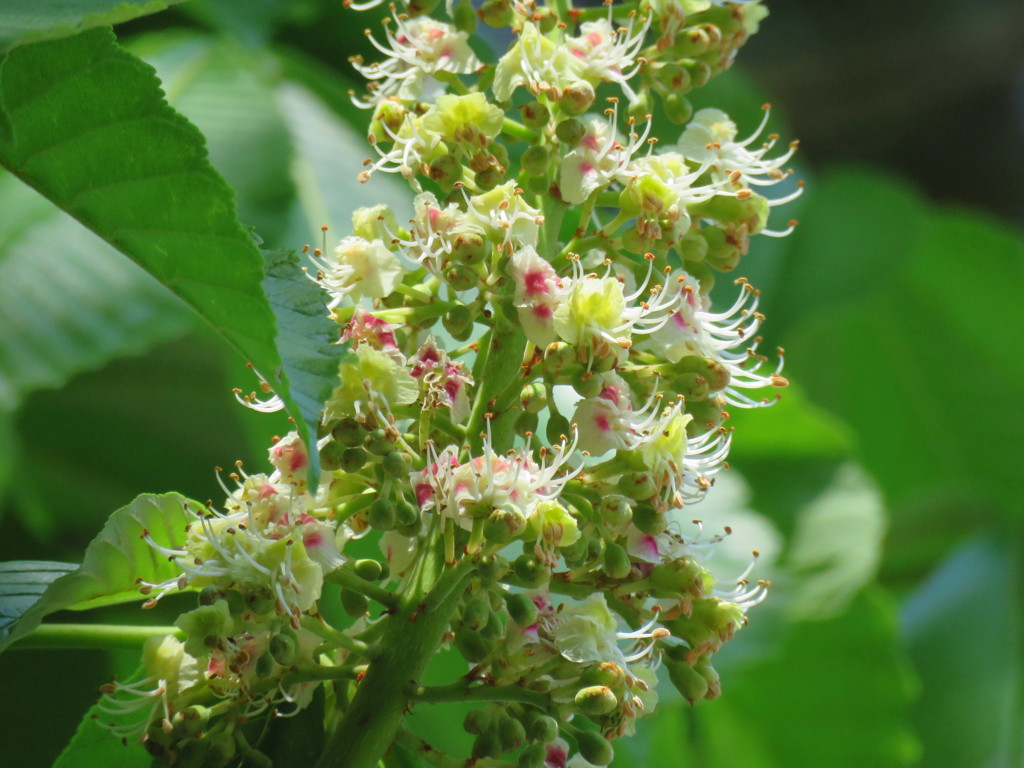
503, 525
386, 122
332, 456
476, 721
595, 700
354, 603
379, 442
648, 520
193, 719
615, 511
678, 108
465, 17
570, 132
487, 744
700, 72
461, 277
284, 647
671, 77
406, 514
381, 514
616, 562
637, 485
458, 321
473, 646
470, 248
533, 756
531, 571
521, 609
475, 613
543, 729
577, 98
587, 384
511, 734
690, 683
353, 460
445, 170
489, 178
536, 159
535, 116
676, 577
496, 13
692, 247
607, 673
557, 429
368, 569
221, 750
642, 107
421, 7
707, 414
265, 665
594, 747
261, 600
396, 464
209, 594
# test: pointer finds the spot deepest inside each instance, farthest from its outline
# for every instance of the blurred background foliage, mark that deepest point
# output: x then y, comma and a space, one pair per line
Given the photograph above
884, 488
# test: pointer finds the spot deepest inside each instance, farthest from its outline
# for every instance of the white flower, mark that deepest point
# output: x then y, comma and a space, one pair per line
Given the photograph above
419, 48
608, 53
538, 291
599, 159
358, 268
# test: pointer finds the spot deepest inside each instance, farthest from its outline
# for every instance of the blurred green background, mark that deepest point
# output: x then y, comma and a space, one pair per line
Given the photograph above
884, 486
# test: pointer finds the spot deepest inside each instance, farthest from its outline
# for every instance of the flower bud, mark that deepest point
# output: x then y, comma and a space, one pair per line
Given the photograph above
521, 609
535, 116
470, 248
534, 397
368, 569
396, 464
473, 646
594, 747
487, 744
637, 485
678, 109
209, 594
406, 513
421, 7
707, 414
595, 700
489, 178
587, 384
492, 567
496, 13
458, 321
461, 277
378, 442
570, 132
533, 756
475, 613
557, 429
193, 719
690, 683
536, 159
464, 17
503, 525
531, 572
445, 170
692, 247
354, 603
526, 423
543, 729
577, 98
511, 734
284, 647
353, 460
221, 750
607, 673
476, 721
381, 514
191, 753
616, 561
265, 665
648, 520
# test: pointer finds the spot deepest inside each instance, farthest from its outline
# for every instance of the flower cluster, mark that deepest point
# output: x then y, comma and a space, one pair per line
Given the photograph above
535, 394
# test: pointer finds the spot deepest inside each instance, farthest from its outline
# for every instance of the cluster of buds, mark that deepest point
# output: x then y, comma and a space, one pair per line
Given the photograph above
536, 394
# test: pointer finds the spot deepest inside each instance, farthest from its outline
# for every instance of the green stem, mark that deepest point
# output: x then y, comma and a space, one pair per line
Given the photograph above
411, 637
349, 580
340, 639
92, 636
518, 131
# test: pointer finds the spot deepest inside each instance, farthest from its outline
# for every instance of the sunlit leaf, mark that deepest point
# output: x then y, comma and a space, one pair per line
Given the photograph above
115, 561
92, 132
28, 21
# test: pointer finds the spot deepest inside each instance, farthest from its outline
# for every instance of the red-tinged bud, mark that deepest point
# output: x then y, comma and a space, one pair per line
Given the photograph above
577, 98
595, 700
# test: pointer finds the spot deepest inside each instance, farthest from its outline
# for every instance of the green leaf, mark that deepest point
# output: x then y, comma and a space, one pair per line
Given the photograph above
29, 21
965, 634
22, 583
91, 131
71, 301
93, 746
306, 339
836, 693
114, 562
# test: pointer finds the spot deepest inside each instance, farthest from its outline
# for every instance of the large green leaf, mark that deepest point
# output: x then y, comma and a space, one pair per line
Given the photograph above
70, 301
91, 131
965, 633
113, 562
22, 584
28, 21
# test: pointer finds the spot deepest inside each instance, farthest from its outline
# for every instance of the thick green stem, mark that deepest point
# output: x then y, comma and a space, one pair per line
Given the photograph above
409, 640
461, 692
92, 636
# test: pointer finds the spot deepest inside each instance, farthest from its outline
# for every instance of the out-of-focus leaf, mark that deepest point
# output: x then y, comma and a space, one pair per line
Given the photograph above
227, 92
837, 693
28, 21
94, 746
837, 545
115, 561
91, 131
857, 230
965, 633
22, 583
68, 301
